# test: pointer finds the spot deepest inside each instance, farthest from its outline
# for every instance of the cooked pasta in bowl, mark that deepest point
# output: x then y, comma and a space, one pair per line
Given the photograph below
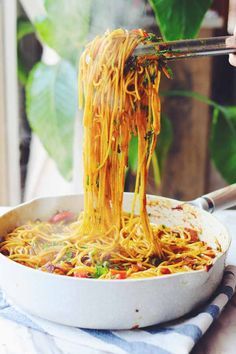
57, 246
101, 297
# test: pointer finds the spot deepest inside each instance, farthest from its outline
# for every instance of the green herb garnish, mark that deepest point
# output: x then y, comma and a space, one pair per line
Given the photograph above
68, 256
152, 37
100, 270
149, 135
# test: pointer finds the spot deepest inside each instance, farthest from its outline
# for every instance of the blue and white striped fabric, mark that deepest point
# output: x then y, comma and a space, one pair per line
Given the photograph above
174, 338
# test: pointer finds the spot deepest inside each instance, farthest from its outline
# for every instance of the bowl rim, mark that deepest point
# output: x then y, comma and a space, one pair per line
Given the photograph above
132, 280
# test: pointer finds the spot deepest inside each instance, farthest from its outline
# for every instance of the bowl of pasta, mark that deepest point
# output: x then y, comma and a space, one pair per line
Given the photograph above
110, 282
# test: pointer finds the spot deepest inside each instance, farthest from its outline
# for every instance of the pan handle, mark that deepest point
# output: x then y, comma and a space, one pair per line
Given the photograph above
220, 199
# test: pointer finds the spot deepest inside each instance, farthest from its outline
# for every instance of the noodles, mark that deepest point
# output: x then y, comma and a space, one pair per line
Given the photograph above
120, 99
56, 247
119, 95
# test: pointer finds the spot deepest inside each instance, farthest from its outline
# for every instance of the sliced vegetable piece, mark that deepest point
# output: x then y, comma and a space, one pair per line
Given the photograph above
62, 216
165, 271
193, 234
120, 274
81, 274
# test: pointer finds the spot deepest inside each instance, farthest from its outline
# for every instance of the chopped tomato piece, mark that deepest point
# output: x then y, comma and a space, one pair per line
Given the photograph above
208, 267
120, 274
81, 274
210, 253
59, 271
145, 34
135, 268
177, 249
62, 216
117, 271
165, 271
193, 234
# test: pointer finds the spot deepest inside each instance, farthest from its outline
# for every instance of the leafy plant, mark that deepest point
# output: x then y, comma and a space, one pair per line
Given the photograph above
133, 154
164, 141
161, 151
51, 103
179, 19
223, 142
65, 26
162, 148
51, 90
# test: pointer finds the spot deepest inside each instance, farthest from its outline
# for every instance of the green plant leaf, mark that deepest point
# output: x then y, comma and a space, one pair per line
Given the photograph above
24, 27
161, 151
21, 71
51, 103
156, 169
164, 141
65, 26
133, 154
179, 19
223, 142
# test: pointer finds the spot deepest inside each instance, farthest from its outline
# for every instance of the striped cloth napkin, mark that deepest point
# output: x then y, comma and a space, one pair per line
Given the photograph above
172, 338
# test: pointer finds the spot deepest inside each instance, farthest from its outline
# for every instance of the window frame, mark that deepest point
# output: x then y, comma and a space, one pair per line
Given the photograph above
9, 108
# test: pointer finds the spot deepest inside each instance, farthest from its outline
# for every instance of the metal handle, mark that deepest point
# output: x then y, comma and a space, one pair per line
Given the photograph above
220, 199
188, 48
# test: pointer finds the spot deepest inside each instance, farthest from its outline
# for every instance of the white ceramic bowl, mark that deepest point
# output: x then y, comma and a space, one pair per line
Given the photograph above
111, 304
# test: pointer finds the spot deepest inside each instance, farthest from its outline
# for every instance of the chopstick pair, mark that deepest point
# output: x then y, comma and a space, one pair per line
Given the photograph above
189, 48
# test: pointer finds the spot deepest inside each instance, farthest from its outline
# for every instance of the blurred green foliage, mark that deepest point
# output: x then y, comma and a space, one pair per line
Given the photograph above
179, 19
